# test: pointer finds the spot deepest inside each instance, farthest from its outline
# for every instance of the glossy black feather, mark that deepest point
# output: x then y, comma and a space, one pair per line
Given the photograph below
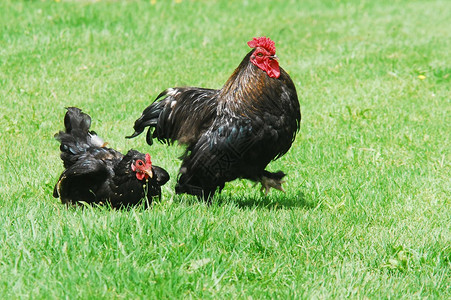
97, 174
170, 119
230, 133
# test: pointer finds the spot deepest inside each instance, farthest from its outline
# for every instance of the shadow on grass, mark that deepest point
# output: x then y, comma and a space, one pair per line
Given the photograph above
272, 201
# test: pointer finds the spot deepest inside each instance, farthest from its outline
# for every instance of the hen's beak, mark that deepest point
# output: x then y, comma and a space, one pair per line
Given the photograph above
149, 172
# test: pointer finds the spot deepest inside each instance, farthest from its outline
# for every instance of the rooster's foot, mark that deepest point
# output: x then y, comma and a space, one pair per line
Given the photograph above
268, 183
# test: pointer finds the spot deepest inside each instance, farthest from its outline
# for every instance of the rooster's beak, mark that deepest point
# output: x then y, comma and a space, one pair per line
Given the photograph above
275, 57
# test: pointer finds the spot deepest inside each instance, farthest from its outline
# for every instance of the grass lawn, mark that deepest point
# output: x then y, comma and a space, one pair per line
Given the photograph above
367, 211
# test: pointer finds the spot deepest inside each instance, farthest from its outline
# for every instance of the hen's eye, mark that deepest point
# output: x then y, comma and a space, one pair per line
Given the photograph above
140, 163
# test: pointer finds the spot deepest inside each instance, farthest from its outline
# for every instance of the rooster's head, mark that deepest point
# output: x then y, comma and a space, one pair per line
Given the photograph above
264, 56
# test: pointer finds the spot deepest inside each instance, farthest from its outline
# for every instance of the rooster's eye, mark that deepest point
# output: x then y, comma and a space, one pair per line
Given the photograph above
259, 54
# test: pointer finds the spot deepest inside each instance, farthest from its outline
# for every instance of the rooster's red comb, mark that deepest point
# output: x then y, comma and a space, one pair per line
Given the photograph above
263, 42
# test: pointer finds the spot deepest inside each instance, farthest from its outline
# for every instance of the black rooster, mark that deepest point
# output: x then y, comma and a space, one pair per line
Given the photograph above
233, 132
97, 174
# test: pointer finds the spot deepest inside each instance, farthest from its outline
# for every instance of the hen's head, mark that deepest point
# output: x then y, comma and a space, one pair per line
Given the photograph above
142, 167
264, 56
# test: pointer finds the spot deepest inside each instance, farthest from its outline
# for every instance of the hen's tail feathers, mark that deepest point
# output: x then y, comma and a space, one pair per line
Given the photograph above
76, 138
149, 118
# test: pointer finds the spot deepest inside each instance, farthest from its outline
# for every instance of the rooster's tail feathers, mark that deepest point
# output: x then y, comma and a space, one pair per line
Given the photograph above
178, 114
149, 117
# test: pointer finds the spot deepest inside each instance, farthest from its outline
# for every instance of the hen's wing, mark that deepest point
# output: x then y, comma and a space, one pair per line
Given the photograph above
81, 180
160, 175
182, 115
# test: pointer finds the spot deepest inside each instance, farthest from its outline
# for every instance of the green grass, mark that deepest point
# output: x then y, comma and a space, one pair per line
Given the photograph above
367, 211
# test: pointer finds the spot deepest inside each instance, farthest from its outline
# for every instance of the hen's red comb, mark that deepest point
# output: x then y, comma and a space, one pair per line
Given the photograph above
263, 42
148, 161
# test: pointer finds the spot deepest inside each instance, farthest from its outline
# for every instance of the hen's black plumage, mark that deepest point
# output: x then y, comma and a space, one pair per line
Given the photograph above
233, 132
97, 174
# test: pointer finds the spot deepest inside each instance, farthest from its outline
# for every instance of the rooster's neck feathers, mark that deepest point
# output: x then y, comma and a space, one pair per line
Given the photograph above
247, 85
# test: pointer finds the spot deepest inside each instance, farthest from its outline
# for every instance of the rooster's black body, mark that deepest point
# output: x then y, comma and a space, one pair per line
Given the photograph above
97, 174
230, 133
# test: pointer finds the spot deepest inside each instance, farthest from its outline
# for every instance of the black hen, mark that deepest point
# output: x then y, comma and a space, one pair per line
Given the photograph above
233, 132
97, 174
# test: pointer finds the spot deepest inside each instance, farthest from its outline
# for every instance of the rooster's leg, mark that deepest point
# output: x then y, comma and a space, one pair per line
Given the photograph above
268, 183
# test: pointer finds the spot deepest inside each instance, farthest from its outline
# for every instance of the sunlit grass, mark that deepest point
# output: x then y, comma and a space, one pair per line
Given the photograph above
367, 208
